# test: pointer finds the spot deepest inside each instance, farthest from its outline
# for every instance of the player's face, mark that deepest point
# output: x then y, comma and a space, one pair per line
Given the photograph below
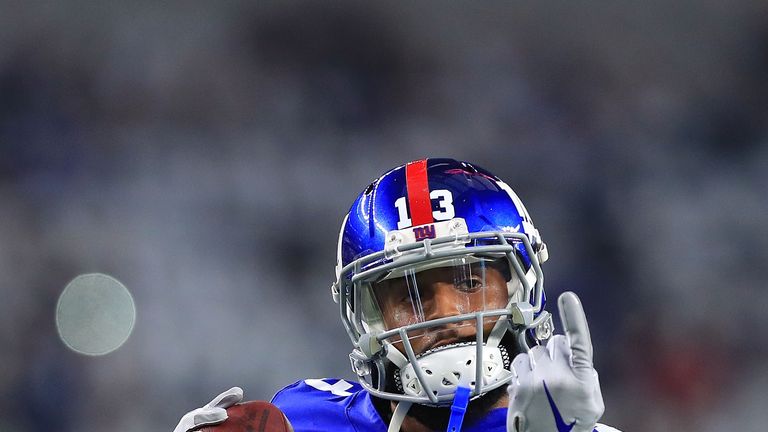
439, 293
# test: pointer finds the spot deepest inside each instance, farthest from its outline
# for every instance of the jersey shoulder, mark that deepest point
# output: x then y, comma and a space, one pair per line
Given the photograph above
317, 404
603, 428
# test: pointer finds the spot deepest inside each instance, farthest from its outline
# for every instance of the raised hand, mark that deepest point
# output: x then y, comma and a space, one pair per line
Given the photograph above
556, 388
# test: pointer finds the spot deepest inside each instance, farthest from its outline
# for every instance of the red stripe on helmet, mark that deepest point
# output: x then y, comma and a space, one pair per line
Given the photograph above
418, 192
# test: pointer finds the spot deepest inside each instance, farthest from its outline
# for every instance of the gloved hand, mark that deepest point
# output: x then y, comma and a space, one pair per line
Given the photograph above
213, 412
556, 389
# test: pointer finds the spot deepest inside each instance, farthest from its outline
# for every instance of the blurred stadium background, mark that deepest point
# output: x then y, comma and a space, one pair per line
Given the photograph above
204, 154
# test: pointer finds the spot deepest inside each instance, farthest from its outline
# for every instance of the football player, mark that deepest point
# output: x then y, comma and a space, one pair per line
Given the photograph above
440, 288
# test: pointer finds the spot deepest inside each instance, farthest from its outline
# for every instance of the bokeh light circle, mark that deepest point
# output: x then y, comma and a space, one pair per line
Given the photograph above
95, 314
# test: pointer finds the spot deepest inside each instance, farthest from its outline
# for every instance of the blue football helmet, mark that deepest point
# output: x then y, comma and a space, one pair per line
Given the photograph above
438, 262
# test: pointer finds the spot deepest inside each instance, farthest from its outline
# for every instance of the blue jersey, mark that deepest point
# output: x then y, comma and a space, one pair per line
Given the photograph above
323, 405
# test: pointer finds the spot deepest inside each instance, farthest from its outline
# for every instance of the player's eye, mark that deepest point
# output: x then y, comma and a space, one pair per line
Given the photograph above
471, 284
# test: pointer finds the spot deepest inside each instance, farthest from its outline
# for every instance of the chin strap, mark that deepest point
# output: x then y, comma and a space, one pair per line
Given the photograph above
398, 416
458, 408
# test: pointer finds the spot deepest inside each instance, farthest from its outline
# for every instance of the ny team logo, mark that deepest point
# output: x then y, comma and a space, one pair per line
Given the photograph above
424, 232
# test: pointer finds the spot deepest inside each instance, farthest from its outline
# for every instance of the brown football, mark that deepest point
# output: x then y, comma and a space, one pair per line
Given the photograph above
252, 416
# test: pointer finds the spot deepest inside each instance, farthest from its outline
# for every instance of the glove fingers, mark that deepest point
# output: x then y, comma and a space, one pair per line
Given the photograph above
521, 365
540, 354
210, 416
227, 398
576, 328
559, 349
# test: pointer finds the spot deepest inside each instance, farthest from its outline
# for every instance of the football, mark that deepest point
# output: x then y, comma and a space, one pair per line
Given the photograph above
252, 416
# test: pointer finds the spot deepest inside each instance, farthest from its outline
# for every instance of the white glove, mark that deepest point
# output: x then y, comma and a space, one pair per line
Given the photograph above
212, 413
556, 389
